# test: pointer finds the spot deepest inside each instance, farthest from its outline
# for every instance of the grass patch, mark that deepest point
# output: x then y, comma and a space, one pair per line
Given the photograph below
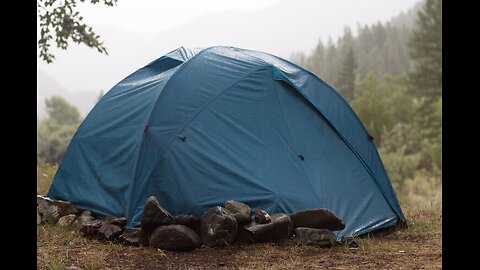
424, 220
45, 174
59, 247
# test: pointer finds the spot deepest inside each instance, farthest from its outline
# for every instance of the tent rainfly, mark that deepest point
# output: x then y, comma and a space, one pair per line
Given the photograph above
197, 127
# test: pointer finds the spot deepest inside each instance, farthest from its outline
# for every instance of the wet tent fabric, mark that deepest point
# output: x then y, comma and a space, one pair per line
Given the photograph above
198, 127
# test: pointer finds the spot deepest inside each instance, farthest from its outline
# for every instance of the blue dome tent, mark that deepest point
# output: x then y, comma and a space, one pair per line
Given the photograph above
198, 127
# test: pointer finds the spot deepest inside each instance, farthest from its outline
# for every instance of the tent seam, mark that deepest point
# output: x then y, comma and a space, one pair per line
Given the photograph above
142, 136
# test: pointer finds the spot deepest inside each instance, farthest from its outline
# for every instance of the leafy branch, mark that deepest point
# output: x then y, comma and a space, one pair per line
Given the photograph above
60, 22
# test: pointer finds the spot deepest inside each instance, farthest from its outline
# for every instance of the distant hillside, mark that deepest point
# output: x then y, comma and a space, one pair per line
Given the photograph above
47, 87
380, 47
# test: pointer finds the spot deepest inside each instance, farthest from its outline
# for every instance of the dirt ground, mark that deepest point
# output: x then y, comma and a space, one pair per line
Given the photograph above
417, 247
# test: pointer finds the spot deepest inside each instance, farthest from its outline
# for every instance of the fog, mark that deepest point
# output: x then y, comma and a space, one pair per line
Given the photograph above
136, 32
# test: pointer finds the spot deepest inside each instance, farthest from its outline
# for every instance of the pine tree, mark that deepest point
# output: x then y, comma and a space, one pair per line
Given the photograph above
346, 77
330, 62
374, 106
426, 78
426, 52
316, 63
382, 48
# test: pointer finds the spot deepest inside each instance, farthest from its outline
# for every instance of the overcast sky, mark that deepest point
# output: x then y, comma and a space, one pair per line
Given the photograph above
152, 16
136, 32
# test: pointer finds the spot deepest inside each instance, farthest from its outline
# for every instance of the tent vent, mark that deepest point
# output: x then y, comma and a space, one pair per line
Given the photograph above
182, 137
301, 156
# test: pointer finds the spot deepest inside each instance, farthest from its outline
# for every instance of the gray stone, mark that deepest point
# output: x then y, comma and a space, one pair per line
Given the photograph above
119, 221
218, 227
82, 220
240, 211
135, 237
63, 207
47, 210
314, 237
91, 229
86, 213
39, 218
318, 218
175, 237
43, 203
261, 216
187, 220
279, 228
42, 207
154, 215
109, 231
67, 220
51, 215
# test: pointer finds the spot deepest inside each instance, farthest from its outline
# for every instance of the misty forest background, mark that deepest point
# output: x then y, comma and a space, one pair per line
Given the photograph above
390, 73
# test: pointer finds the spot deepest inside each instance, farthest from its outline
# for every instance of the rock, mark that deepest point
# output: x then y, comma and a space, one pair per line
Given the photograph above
261, 216
67, 220
63, 207
240, 211
86, 213
187, 220
82, 220
154, 215
279, 228
39, 218
109, 231
218, 227
175, 237
318, 218
73, 267
314, 237
135, 237
244, 236
119, 221
91, 228
47, 211
51, 214
43, 203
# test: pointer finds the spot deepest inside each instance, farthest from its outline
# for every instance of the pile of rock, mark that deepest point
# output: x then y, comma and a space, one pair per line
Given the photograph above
218, 226
66, 214
51, 211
